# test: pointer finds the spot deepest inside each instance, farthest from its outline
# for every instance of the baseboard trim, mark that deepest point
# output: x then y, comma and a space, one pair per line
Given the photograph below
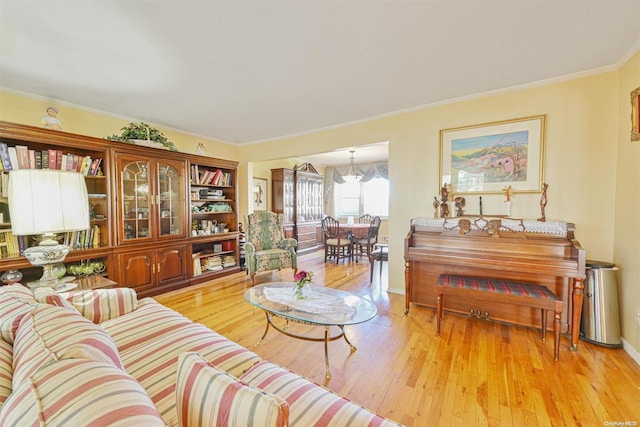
631, 351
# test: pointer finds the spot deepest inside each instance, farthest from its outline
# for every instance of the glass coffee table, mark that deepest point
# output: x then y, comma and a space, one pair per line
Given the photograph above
325, 307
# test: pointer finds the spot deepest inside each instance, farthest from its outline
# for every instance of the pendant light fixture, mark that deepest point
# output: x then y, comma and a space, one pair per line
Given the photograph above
352, 174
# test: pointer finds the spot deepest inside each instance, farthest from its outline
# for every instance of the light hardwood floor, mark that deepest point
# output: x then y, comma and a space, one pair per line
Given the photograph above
477, 373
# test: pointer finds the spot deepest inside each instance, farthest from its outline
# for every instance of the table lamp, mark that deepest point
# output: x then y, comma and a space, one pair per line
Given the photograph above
43, 202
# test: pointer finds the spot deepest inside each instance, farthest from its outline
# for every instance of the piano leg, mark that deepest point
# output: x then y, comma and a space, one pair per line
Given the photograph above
576, 311
439, 298
407, 286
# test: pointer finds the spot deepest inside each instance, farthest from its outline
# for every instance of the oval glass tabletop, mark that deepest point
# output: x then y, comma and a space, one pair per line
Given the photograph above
323, 306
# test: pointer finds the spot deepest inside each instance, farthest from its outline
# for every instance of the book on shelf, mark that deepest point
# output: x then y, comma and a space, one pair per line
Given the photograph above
13, 157
53, 161
22, 157
9, 243
83, 239
32, 158
4, 156
45, 159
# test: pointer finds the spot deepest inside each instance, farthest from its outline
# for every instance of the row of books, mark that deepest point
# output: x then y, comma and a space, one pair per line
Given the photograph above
211, 177
22, 157
84, 239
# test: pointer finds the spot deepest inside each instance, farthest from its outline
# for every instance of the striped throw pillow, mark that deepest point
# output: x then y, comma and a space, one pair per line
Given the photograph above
310, 404
15, 301
79, 393
47, 333
207, 396
46, 295
6, 369
100, 305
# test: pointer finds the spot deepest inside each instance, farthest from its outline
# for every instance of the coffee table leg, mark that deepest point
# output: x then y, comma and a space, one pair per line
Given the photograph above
265, 330
351, 346
327, 374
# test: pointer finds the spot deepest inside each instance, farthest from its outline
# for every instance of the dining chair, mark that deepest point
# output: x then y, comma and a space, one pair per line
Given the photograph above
366, 244
365, 219
379, 253
336, 243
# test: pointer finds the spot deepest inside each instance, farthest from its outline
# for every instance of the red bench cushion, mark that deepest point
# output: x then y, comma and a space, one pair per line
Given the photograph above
496, 285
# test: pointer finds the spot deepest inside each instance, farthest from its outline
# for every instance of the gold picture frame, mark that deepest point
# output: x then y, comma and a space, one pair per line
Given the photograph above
486, 158
635, 115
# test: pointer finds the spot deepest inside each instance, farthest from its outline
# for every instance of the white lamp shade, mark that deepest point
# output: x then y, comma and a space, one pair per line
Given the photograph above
47, 201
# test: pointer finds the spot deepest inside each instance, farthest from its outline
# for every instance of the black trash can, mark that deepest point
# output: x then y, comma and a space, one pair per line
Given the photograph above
600, 322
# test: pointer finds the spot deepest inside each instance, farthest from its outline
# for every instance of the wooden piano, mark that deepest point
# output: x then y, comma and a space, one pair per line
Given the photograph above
544, 253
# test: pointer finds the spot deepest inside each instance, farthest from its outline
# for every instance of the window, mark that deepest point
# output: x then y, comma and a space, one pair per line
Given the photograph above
357, 198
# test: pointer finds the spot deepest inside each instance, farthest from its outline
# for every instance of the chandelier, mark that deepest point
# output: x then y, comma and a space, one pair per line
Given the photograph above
352, 174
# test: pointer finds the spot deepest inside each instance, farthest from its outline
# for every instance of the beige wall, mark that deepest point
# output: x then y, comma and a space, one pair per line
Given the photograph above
29, 111
579, 167
626, 252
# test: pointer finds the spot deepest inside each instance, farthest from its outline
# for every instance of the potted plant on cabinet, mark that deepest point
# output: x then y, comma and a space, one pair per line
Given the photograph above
143, 134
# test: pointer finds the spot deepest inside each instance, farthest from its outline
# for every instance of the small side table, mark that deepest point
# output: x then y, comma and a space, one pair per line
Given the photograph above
379, 253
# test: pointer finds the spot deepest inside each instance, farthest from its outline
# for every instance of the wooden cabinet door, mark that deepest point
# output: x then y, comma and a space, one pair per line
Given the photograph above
172, 265
170, 203
137, 269
134, 199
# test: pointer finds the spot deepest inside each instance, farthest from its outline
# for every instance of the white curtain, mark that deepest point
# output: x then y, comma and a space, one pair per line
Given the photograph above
334, 175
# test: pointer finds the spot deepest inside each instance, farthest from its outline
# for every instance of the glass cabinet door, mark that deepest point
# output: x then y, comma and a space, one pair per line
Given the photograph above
136, 200
171, 199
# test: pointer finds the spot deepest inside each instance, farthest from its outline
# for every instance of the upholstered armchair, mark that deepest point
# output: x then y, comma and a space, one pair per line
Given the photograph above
266, 247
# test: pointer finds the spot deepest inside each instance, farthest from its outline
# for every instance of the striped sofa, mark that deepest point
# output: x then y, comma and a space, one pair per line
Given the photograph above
103, 357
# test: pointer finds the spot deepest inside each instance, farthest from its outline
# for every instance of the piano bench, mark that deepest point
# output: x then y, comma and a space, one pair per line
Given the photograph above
502, 291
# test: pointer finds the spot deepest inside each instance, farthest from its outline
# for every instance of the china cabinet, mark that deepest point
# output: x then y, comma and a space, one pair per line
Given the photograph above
31, 147
215, 242
297, 193
151, 201
155, 214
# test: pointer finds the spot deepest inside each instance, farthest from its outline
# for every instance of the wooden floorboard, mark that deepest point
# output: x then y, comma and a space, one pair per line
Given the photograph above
477, 373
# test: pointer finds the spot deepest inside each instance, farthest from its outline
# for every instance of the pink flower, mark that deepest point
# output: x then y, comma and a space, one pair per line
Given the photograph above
303, 277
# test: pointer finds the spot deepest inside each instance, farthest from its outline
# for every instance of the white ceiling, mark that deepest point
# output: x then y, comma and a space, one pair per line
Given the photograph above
248, 71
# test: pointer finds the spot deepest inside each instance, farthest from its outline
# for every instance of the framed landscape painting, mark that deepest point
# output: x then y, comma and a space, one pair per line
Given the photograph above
485, 158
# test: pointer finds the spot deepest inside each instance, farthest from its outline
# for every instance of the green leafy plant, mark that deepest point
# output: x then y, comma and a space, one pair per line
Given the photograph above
142, 131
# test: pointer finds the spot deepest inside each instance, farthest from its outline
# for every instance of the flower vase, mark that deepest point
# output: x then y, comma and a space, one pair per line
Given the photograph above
302, 291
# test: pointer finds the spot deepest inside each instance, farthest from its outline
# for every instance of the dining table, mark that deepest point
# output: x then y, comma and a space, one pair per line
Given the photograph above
355, 231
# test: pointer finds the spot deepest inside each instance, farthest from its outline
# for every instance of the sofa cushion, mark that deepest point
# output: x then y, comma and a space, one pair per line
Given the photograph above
48, 332
6, 369
100, 305
79, 393
208, 396
15, 301
47, 295
310, 404
151, 338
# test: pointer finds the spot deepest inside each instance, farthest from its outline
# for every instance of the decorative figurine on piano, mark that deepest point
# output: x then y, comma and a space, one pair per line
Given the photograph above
446, 195
460, 204
508, 192
543, 201
436, 205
